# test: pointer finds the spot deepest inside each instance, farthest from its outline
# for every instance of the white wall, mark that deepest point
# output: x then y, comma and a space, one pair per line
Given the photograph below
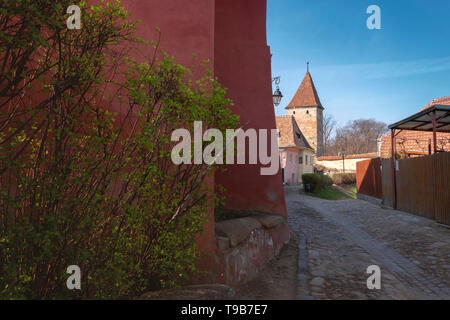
307, 166
289, 162
336, 165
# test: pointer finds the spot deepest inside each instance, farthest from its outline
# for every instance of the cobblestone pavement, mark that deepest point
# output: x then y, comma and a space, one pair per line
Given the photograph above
338, 240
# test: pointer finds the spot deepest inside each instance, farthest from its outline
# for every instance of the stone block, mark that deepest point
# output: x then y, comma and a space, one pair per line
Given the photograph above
270, 222
237, 230
194, 292
222, 243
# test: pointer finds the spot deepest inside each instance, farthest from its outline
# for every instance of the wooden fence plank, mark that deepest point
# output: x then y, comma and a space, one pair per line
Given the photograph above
442, 188
423, 186
368, 178
386, 174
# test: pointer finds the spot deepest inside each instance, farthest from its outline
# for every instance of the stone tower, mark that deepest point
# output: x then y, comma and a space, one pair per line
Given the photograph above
306, 108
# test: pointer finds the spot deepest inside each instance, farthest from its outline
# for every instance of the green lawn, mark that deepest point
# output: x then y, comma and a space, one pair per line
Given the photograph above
330, 193
352, 191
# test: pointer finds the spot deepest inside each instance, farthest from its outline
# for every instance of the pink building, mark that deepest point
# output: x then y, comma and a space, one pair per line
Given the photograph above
301, 132
296, 155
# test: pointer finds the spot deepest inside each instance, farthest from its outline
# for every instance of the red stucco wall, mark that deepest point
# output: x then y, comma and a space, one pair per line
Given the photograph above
242, 64
232, 34
187, 28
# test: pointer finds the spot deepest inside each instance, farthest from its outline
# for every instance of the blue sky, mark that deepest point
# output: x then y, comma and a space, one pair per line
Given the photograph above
385, 74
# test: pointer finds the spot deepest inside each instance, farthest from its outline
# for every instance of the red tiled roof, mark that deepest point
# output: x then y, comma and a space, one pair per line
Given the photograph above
442, 101
416, 142
349, 156
306, 95
290, 133
408, 141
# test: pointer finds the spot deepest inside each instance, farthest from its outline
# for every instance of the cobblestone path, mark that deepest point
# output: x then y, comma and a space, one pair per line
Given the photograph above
338, 240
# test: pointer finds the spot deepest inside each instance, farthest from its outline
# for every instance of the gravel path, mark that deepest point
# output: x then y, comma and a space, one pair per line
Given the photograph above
338, 240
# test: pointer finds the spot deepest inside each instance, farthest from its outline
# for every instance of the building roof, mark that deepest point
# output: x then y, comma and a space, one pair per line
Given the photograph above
415, 141
306, 95
290, 134
349, 156
422, 121
441, 101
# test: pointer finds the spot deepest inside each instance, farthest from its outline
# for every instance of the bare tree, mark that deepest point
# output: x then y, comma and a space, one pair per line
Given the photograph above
358, 136
329, 126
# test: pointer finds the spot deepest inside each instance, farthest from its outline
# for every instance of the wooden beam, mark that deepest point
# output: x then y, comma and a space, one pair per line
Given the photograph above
433, 116
443, 116
393, 161
420, 125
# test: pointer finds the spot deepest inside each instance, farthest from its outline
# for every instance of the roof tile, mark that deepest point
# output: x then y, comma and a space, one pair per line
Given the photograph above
442, 101
290, 133
417, 142
306, 95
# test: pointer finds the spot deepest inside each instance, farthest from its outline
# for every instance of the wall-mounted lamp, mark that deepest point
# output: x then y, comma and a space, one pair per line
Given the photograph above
277, 95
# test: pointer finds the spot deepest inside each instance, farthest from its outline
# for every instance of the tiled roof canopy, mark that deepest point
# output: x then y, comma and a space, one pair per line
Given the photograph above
417, 142
290, 134
349, 156
438, 101
306, 95
422, 121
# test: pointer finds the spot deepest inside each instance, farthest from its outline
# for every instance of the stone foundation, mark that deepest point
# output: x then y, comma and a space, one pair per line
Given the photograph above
245, 245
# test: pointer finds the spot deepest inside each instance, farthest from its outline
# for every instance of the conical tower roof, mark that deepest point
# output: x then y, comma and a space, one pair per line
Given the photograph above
306, 95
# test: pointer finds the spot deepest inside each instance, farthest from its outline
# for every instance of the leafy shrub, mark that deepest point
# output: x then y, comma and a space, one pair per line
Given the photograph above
325, 181
311, 179
344, 178
80, 184
316, 181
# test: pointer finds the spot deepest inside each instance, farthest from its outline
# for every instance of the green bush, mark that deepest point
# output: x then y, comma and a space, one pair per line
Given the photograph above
344, 178
325, 181
316, 181
313, 180
81, 185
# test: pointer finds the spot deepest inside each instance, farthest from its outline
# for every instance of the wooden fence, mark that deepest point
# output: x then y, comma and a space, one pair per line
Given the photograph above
423, 186
368, 178
386, 177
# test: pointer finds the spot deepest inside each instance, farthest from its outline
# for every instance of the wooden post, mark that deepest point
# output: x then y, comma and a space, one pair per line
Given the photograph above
394, 178
434, 131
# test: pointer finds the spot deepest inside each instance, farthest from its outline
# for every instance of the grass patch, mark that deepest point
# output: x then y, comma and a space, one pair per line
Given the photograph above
330, 193
352, 190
